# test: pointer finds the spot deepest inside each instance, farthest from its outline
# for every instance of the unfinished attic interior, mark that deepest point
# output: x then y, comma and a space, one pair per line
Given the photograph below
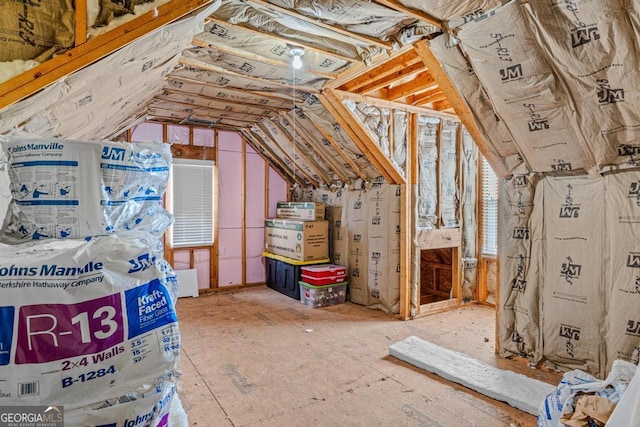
355, 191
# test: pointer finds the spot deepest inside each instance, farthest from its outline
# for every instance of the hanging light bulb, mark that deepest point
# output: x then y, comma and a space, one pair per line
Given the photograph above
296, 53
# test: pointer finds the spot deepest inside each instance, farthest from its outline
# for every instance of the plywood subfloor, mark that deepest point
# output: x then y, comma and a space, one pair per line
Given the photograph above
258, 358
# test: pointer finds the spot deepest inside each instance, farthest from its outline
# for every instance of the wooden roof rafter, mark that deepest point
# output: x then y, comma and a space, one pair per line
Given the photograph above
157, 102
391, 66
384, 81
422, 82
292, 43
93, 49
204, 98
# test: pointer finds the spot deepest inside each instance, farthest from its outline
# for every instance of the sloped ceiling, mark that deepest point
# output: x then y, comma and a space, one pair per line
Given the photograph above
555, 88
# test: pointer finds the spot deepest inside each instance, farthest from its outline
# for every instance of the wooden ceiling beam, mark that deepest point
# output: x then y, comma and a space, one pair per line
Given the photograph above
433, 95
360, 37
210, 67
292, 43
361, 137
422, 82
93, 49
421, 16
390, 79
397, 105
460, 106
392, 65
159, 100
259, 58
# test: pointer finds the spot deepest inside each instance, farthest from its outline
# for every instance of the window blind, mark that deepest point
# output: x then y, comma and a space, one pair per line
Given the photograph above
489, 209
192, 193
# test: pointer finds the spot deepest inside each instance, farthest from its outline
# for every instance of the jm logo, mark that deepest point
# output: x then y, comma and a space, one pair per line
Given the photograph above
141, 263
357, 237
561, 165
570, 271
375, 256
519, 285
521, 233
520, 181
634, 191
583, 35
633, 260
610, 96
375, 220
628, 150
633, 328
113, 153
509, 74
356, 272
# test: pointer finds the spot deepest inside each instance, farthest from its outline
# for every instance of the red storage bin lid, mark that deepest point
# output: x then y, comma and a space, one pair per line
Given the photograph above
323, 270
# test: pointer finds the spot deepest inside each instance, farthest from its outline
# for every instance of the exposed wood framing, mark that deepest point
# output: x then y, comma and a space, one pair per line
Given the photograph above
80, 22
423, 82
182, 151
428, 97
393, 66
273, 159
291, 43
161, 102
93, 49
354, 167
306, 158
361, 137
459, 105
243, 198
210, 67
196, 96
385, 81
215, 258
254, 57
396, 105
360, 37
327, 159
407, 219
438, 238
438, 307
208, 102
422, 16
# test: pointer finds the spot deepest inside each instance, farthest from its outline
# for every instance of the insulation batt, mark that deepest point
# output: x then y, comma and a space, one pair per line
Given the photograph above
56, 192
83, 322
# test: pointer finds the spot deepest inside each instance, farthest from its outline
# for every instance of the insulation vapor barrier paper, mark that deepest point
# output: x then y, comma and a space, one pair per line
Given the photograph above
75, 189
82, 322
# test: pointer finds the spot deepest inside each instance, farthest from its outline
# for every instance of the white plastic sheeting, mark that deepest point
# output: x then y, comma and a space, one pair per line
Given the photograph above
453, 13
365, 237
103, 98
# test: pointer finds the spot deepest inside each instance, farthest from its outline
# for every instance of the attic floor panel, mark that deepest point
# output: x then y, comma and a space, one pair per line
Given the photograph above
255, 357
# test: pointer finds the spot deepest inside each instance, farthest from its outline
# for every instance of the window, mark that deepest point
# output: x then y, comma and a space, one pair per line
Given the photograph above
489, 209
192, 203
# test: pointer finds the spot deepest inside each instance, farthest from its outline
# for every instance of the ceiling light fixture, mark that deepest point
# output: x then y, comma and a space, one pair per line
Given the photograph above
296, 53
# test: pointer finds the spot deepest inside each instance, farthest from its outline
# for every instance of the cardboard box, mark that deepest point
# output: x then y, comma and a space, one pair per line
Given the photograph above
300, 210
299, 240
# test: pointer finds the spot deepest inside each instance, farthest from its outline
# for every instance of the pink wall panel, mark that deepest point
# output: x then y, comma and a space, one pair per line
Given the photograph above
203, 265
229, 141
229, 272
255, 190
147, 132
277, 191
255, 270
178, 134
181, 260
230, 243
255, 241
229, 189
203, 137
250, 149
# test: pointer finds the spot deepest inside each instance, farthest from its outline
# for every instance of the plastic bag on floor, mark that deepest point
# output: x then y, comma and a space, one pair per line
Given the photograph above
562, 401
627, 412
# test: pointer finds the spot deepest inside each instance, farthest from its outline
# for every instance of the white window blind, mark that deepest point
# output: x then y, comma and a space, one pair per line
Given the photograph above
192, 202
489, 209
